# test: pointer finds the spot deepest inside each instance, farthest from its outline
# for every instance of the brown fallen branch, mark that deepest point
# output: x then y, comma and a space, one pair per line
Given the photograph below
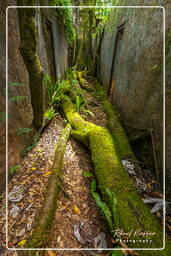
40, 235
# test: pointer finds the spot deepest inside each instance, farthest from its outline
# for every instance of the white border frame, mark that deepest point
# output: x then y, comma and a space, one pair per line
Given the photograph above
164, 80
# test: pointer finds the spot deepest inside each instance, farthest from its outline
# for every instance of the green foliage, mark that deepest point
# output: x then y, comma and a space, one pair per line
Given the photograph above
113, 206
87, 174
104, 208
116, 253
56, 92
71, 74
93, 186
34, 142
51, 88
87, 111
65, 121
80, 99
110, 214
66, 14
78, 102
14, 169
100, 94
23, 131
50, 113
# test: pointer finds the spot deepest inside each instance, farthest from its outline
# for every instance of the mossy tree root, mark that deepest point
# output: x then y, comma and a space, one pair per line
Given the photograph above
133, 213
82, 81
40, 236
28, 49
117, 131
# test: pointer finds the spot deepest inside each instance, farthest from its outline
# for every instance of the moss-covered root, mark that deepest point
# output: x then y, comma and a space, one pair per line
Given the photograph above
133, 213
28, 49
40, 236
114, 125
82, 81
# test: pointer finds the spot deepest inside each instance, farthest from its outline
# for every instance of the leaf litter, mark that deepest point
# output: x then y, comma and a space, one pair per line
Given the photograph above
78, 222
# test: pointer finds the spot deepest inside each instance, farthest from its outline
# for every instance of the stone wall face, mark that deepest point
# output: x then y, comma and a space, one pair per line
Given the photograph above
137, 72
20, 111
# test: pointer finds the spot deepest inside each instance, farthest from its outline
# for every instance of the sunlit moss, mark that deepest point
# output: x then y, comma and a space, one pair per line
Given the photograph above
110, 174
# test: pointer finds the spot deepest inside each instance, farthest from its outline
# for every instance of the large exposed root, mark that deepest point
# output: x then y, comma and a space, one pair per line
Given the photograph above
40, 236
133, 213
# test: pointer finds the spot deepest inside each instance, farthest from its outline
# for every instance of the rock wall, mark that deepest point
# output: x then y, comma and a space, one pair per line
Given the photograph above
19, 103
132, 70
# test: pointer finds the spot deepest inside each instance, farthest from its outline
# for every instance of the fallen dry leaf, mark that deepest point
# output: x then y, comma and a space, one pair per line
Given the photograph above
47, 173
52, 253
22, 242
76, 210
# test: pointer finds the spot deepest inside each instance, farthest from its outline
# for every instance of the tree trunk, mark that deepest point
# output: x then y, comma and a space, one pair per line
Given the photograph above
28, 49
133, 213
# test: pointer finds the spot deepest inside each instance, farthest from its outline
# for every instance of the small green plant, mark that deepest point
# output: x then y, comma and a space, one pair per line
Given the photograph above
78, 102
23, 131
87, 111
51, 88
116, 253
50, 113
14, 169
65, 121
56, 91
87, 174
33, 143
110, 214
71, 74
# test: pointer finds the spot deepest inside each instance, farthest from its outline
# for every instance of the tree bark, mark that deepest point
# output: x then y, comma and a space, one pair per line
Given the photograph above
40, 236
28, 49
110, 174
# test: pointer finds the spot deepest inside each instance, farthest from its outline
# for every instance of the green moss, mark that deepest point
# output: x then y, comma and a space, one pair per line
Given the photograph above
117, 131
28, 49
42, 230
66, 14
132, 212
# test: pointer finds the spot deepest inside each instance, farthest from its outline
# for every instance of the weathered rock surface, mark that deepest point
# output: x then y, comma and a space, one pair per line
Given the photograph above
137, 74
53, 61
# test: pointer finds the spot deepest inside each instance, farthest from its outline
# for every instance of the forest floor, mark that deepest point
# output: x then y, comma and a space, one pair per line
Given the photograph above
78, 222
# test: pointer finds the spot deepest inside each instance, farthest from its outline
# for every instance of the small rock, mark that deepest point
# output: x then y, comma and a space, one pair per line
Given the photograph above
85, 205
28, 226
21, 232
58, 239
